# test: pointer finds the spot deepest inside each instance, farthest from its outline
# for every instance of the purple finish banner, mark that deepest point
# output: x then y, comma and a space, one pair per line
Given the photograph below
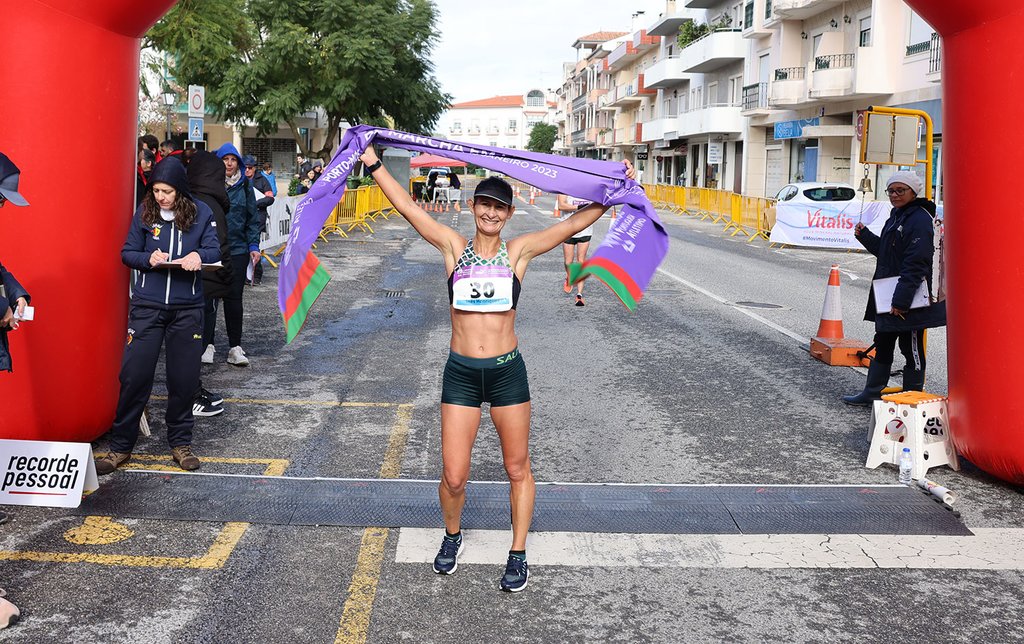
632, 250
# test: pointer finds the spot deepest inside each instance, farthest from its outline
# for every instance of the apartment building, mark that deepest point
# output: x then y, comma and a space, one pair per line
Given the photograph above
694, 127
583, 126
813, 67
501, 121
629, 100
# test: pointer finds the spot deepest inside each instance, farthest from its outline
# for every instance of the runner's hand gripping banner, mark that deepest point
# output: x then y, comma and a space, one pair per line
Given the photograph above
635, 245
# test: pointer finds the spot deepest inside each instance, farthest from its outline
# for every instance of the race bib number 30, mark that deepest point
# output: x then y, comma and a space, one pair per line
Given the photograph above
484, 289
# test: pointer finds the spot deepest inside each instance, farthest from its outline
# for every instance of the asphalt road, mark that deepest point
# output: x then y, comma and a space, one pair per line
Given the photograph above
689, 389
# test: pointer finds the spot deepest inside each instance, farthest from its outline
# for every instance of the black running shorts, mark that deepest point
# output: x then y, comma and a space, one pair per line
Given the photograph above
500, 381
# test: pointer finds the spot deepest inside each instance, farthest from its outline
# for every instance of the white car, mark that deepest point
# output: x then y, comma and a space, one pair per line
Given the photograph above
811, 192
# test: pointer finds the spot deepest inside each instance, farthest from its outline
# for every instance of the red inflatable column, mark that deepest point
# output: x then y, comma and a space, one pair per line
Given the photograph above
70, 73
982, 109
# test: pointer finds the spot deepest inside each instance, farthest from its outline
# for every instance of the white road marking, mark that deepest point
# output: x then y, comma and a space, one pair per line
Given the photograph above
989, 549
746, 312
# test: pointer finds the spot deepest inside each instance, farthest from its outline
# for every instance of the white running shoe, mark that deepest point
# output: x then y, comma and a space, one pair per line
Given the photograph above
208, 354
237, 357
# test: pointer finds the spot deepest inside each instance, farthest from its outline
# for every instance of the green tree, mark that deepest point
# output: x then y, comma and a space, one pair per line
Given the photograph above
542, 138
268, 61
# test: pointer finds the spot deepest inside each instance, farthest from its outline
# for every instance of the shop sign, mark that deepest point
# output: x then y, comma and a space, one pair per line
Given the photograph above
794, 129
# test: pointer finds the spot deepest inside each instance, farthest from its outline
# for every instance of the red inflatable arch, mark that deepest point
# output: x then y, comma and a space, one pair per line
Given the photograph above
980, 105
70, 76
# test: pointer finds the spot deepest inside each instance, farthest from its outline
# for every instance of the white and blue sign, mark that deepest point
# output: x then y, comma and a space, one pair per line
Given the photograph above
195, 129
794, 129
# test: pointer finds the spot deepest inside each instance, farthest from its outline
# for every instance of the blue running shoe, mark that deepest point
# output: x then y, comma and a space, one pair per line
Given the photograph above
447, 560
516, 575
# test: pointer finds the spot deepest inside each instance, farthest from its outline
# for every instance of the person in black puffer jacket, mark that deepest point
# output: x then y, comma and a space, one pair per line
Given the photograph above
206, 180
905, 250
170, 238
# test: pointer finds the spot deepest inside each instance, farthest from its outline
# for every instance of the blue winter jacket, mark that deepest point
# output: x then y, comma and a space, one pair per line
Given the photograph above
243, 219
170, 288
905, 249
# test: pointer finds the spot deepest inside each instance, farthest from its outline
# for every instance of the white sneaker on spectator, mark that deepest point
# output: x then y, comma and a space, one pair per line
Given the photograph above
208, 354
237, 357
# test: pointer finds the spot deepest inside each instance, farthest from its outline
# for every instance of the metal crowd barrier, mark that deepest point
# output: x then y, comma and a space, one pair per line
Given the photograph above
358, 207
749, 216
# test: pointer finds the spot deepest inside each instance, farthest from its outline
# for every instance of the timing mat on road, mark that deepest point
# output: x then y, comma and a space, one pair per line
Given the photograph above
606, 508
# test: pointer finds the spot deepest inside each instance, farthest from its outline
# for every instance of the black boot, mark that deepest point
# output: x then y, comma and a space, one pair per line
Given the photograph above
913, 380
878, 378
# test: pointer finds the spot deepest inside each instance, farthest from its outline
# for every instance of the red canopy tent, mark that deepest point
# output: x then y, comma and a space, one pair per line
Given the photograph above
434, 161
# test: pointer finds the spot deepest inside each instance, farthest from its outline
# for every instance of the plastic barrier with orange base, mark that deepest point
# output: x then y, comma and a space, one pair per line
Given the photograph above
68, 61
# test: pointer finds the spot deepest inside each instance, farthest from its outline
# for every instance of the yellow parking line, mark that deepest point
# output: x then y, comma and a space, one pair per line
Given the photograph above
355, 616
215, 557
274, 466
223, 544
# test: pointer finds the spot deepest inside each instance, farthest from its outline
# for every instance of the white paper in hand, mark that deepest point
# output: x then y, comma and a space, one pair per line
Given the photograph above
250, 270
885, 287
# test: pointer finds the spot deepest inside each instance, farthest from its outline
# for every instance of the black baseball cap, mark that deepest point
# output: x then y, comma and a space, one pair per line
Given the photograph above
495, 188
9, 175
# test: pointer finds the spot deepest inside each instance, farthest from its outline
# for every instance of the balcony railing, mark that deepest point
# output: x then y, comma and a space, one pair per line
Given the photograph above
755, 96
790, 73
834, 61
474, 131
935, 54
918, 47
579, 136
579, 102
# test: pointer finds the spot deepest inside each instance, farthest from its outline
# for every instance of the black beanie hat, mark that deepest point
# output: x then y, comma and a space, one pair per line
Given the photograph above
171, 171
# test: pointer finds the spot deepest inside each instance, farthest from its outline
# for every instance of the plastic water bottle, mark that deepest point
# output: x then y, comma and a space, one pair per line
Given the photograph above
906, 466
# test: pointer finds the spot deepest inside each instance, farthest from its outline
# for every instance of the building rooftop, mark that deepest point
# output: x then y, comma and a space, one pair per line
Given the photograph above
514, 100
597, 38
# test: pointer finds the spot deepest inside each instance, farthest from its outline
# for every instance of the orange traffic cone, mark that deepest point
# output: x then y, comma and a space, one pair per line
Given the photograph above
829, 345
532, 195
831, 325
557, 213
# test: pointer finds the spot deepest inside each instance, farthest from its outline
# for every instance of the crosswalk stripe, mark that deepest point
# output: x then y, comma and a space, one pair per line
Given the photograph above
989, 549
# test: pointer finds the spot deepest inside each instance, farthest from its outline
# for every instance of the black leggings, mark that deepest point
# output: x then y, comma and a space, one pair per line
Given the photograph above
911, 345
232, 306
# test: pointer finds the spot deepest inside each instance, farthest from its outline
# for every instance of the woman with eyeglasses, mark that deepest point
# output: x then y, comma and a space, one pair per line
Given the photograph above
904, 250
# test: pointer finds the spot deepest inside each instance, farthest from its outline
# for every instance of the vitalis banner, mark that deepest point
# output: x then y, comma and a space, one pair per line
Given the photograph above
825, 225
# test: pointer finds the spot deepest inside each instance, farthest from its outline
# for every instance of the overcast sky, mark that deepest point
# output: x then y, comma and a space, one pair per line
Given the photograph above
498, 47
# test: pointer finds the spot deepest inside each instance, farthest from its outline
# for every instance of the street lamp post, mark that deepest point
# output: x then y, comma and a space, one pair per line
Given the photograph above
169, 98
